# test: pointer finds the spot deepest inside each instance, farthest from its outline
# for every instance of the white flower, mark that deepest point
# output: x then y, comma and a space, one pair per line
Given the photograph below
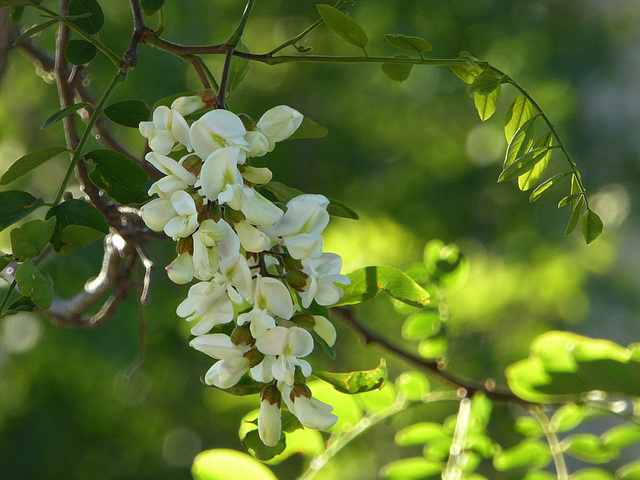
177, 177
300, 228
257, 143
288, 344
186, 220
181, 271
157, 213
311, 412
279, 123
262, 372
323, 273
272, 295
218, 129
257, 175
252, 239
209, 304
269, 421
166, 128
261, 321
219, 170
256, 208
233, 363
187, 105
236, 279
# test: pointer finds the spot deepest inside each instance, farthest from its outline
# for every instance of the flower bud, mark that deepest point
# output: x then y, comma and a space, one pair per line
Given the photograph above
181, 270
325, 329
242, 334
256, 175
296, 279
193, 164
185, 245
187, 105
254, 356
269, 420
257, 143
280, 122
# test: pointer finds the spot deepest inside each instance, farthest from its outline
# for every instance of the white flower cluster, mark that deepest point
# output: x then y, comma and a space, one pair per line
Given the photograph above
256, 262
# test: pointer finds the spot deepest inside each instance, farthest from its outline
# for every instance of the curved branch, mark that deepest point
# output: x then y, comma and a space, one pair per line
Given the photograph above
465, 388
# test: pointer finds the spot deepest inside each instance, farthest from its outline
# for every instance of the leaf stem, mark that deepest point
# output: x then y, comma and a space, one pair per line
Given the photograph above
119, 77
7, 295
237, 34
554, 443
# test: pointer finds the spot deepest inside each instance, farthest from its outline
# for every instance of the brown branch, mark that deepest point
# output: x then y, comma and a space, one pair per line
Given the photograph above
465, 388
140, 31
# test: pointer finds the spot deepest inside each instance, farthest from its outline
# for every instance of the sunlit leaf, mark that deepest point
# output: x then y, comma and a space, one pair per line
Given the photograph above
78, 225
368, 281
569, 416
528, 426
412, 468
486, 104
520, 111
433, 347
15, 205
92, 23
222, 464
413, 385
31, 238
528, 180
406, 42
65, 112
575, 216
468, 73
480, 411
80, 52
346, 407
33, 30
521, 142
378, 400
485, 83
343, 26
397, 72
254, 445
303, 441
128, 112
420, 433
523, 164
309, 129
118, 175
592, 474
588, 448
445, 263
35, 284
630, 471
421, 325
356, 382
592, 226
569, 199
151, 6
28, 162
546, 185
562, 366
621, 436
528, 453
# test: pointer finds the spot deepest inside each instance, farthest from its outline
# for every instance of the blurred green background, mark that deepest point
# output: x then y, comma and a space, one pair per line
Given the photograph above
412, 158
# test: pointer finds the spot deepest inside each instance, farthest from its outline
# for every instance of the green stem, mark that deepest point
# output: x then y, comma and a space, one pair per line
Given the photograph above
237, 35
434, 62
554, 443
7, 295
119, 77
99, 45
306, 32
552, 129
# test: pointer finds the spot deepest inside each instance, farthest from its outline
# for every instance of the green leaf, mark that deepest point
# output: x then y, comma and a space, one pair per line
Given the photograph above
420, 433
33, 30
621, 436
521, 142
529, 427
246, 386
485, 83
284, 193
254, 445
592, 226
546, 185
28, 162
486, 104
128, 112
468, 73
368, 281
35, 284
528, 453
630, 471
15, 205
356, 382
569, 416
337, 208
569, 199
15, 3
151, 6
222, 464
239, 68
118, 175
528, 180
412, 468
92, 23
421, 325
588, 448
524, 164
80, 52
22, 304
433, 347
405, 42
31, 238
562, 366
397, 72
16, 14
343, 26
78, 224
65, 112
520, 111
413, 385
575, 216
309, 129
592, 474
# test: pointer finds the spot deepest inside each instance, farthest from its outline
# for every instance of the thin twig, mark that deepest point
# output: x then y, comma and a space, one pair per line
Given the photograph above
140, 31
